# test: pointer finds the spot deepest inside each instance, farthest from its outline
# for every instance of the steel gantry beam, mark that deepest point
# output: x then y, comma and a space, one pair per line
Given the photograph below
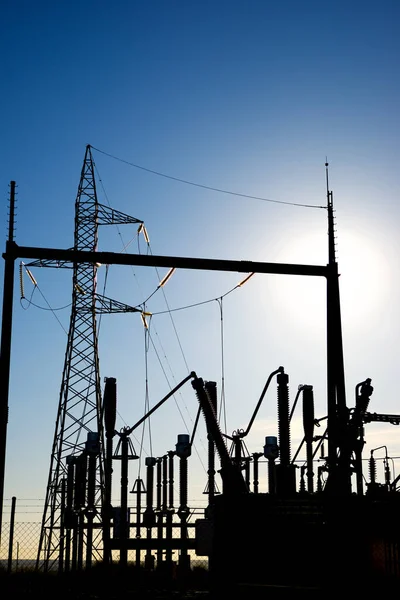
179, 262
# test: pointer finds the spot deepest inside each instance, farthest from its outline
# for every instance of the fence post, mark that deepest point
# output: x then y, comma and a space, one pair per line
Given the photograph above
11, 543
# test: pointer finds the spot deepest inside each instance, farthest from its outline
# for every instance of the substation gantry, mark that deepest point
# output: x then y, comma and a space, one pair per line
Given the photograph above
78, 436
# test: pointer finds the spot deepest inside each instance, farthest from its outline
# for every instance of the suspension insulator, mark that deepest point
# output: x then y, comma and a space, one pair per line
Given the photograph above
308, 412
110, 405
283, 418
21, 282
372, 469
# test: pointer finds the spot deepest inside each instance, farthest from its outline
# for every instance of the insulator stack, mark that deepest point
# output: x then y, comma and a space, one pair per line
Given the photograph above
372, 469
308, 425
363, 399
21, 282
209, 415
283, 419
211, 391
231, 476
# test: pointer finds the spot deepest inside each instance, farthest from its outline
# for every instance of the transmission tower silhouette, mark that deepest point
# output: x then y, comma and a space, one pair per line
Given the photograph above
71, 529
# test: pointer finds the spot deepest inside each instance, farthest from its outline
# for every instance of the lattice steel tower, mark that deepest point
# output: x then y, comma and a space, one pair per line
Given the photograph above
74, 502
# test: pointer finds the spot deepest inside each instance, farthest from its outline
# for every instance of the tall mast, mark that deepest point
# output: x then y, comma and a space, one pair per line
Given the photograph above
331, 223
339, 481
80, 401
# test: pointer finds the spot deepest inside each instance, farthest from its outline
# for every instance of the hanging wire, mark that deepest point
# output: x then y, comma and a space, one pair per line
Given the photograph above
118, 228
222, 408
206, 187
146, 398
170, 310
176, 402
36, 287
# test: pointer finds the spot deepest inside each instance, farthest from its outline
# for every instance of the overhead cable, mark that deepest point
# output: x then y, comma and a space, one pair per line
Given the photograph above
206, 187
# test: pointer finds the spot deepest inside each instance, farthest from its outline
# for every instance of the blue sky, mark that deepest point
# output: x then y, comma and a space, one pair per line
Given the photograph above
242, 96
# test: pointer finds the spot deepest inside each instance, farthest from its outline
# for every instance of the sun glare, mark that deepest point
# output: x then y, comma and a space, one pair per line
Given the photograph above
364, 278
364, 281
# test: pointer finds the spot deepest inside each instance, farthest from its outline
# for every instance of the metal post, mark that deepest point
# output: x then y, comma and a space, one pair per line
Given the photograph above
80, 500
11, 542
271, 453
93, 449
160, 515
256, 457
123, 555
308, 425
211, 389
110, 412
246, 465
149, 515
171, 455
138, 490
5, 349
70, 516
183, 451
167, 513
62, 526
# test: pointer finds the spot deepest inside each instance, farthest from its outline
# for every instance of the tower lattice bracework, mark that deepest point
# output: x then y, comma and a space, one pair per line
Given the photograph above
71, 524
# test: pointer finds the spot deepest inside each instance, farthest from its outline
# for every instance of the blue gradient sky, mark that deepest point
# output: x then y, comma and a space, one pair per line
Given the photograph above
244, 96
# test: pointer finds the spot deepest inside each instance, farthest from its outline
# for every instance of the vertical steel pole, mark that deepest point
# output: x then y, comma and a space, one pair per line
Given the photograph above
256, 457
110, 413
160, 514
62, 525
123, 556
11, 542
149, 515
70, 515
90, 509
5, 349
183, 451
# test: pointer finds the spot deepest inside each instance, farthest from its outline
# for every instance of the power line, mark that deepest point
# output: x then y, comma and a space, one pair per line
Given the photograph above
206, 187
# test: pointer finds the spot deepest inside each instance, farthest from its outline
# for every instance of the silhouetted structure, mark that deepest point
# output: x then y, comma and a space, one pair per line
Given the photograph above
310, 529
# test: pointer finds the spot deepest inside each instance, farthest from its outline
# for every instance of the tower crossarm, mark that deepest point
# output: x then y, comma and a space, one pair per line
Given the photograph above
109, 216
104, 306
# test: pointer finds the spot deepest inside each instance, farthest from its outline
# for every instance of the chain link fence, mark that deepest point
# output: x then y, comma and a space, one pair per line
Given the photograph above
23, 553
24, 547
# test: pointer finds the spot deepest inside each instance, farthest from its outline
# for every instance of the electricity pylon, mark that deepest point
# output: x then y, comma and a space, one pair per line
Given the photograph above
70, 525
